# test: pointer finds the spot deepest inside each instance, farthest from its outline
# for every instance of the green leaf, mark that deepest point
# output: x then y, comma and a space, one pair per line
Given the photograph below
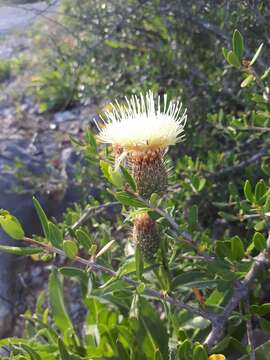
247, 81
265, 324
42, 217
259, 241
129, 178
33, 354
77, 274
104, 166
265, 74
154, 200
260, 189
233, 59
266, 207
223, 249
70, 248
238, 251
265, 168
215, 298
262, 352
58, 307
91, 141
185, 350
116, 177
12, 227
64, 354
238, 44
225, 53
248, 191
261, 310
199, 353
23, 251
83, 239
193, 216
227, 216
259, 226
126, 198
55, 235
140, 288
255, 57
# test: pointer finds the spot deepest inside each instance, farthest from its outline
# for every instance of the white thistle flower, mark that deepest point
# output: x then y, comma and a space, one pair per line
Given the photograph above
140, 124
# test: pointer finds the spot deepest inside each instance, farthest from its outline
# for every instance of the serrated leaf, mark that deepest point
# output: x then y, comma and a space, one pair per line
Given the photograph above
42, 217
238, 251
255, 57
56, 299
233, 59
247, 81
259, 241
11, 227
126, 198
238, 44
70, 248
22, 251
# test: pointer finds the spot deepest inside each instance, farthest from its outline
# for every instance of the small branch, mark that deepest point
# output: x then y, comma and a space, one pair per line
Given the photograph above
195, 257
97, 268
253, 128
250, 337
87, 213
240, 166
241, 290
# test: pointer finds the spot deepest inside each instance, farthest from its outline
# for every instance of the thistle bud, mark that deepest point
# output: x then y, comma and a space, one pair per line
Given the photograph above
146, 235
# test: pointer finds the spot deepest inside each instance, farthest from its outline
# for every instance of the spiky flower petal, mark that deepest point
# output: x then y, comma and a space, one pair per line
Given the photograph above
140, 123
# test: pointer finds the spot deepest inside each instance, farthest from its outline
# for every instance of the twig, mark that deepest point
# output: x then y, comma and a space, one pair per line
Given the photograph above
253, 128
240, 166
97, 268
89, 212
241, 290
250, 337
195, 257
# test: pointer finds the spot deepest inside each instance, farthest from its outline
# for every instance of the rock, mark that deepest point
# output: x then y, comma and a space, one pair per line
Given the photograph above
36, 158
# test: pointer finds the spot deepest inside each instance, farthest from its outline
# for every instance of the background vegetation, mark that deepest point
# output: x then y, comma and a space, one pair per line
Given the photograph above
215, 218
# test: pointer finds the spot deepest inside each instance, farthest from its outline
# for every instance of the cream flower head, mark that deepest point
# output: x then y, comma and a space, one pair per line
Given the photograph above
140, 124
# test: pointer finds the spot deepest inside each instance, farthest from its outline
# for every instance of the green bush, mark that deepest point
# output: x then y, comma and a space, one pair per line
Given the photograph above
203, 290
5, 70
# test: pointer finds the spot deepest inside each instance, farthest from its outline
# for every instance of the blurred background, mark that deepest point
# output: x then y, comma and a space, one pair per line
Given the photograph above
62, 62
